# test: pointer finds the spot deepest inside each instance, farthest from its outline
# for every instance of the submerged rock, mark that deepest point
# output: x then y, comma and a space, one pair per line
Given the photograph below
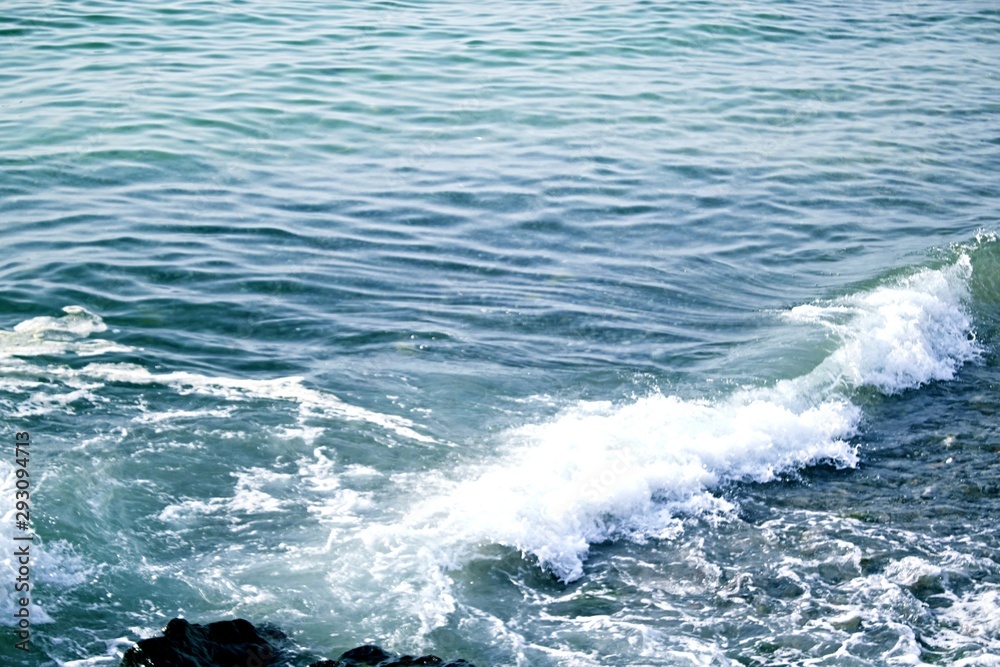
238, 643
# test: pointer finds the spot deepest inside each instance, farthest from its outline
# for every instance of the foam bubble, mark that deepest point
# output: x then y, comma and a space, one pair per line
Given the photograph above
112, 657
177, 415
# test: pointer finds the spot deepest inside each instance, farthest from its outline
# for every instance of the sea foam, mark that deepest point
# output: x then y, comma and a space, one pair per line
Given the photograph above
58, 335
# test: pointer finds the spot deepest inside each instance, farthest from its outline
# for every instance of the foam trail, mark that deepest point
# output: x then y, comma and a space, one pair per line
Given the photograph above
601, 471
69, 334
311, 402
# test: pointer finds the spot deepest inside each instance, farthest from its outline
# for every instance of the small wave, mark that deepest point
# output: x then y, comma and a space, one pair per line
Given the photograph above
600, 471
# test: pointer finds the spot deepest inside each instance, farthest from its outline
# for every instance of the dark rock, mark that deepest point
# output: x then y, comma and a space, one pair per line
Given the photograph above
368, 654
238, 643
372, 656
235, 643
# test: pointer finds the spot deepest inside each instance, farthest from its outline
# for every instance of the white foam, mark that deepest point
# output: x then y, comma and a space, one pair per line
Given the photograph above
337, 507
883, 601
911, 570
250, 497
307, 434
255, 491
984, 660
601, 471
112, 658
977, 614
177, 415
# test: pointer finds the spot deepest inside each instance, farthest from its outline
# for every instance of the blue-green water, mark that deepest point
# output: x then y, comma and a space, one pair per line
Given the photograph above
538, 333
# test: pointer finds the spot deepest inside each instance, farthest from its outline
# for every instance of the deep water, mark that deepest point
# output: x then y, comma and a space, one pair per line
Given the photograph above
551, 333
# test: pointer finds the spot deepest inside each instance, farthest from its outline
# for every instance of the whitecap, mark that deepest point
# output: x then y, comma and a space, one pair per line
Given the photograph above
601, 470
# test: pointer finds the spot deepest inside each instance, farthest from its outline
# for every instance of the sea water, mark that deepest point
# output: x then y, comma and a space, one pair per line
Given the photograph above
551, 333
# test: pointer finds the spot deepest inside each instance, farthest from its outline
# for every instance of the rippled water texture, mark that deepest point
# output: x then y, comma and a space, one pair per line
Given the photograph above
552, 333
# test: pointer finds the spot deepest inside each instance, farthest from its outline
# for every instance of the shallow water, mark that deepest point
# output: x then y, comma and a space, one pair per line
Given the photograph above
551, 333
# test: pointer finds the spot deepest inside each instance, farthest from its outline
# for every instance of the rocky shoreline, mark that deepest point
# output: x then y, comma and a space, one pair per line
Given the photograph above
239, 643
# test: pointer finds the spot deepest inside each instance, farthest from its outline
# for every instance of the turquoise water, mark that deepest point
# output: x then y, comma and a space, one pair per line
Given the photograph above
545, 333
